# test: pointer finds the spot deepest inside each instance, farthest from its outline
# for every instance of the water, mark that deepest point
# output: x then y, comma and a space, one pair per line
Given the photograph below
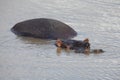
34, 59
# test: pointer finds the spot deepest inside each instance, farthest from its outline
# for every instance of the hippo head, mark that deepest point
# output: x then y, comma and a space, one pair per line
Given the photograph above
77, 45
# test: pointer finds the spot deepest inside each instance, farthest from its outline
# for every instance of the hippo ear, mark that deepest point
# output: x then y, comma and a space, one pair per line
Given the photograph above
86, 40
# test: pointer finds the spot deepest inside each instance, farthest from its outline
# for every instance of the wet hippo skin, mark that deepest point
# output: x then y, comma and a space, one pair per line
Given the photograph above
44, 28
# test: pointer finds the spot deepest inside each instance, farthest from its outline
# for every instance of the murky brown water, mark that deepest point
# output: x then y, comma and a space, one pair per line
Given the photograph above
34, 59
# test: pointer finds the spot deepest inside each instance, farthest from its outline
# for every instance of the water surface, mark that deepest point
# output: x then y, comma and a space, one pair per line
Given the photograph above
34, 59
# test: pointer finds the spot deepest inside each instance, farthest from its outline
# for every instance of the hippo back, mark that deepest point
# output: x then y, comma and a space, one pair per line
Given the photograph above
44, 29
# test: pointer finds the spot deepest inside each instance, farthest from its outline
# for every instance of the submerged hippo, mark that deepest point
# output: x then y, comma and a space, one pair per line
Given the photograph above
77, 45
44, 28
82, 46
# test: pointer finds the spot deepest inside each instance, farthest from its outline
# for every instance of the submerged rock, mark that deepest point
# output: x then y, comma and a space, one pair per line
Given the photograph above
44, 28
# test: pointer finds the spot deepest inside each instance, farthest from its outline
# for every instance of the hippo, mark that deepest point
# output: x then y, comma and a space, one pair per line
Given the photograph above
79, 46
44, 28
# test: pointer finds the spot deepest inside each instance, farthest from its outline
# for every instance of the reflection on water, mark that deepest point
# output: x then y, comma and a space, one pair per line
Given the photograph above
59, 51
24, 58
31, 40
